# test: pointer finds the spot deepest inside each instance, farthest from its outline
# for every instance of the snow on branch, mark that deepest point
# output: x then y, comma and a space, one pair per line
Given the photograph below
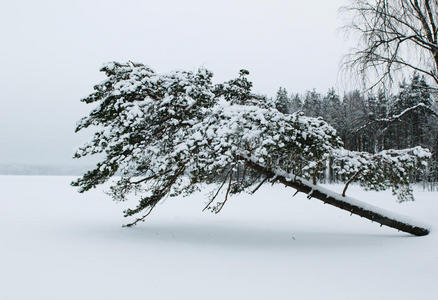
399, 116
170, 134
383, 170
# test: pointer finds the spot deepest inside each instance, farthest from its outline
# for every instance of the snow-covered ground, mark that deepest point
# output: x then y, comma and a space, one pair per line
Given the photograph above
58, 244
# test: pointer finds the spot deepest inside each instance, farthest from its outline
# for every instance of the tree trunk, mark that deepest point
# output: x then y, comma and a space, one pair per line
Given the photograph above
351, 205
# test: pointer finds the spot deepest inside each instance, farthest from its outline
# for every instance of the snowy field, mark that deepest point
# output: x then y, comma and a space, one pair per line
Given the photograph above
58, 244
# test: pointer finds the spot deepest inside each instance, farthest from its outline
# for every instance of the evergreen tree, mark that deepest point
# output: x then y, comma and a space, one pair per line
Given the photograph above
332, 109
372, 130
412, 129
296, 103
312, 105
282, 102
355, 115
170, 134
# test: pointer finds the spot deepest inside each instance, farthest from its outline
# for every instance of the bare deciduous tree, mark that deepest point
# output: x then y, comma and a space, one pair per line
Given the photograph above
395, 35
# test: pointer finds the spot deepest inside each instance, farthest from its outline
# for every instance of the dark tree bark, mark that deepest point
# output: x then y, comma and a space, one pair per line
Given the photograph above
341, 202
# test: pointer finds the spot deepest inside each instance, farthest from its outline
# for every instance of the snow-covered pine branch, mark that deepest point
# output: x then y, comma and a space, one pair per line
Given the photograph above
387, 168
170, 134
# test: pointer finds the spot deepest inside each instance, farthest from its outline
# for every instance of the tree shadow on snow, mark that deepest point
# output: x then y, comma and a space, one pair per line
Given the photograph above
256, 237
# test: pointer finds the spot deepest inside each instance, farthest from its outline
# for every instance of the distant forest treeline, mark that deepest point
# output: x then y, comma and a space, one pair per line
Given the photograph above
374, 122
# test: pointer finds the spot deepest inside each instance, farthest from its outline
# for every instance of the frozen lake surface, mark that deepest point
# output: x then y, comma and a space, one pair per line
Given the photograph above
58, 244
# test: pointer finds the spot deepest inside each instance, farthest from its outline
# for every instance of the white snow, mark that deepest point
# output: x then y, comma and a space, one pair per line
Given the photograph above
58, 244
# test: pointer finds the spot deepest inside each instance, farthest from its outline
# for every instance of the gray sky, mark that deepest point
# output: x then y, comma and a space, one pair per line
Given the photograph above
51, 52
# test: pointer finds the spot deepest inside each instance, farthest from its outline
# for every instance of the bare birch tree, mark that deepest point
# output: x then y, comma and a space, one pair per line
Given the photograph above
395, 35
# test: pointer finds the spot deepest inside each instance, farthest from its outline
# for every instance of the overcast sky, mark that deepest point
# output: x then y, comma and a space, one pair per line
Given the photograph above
51, 52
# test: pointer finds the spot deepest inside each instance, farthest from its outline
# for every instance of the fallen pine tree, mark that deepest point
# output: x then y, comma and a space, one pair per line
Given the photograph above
170, 134
370, 212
